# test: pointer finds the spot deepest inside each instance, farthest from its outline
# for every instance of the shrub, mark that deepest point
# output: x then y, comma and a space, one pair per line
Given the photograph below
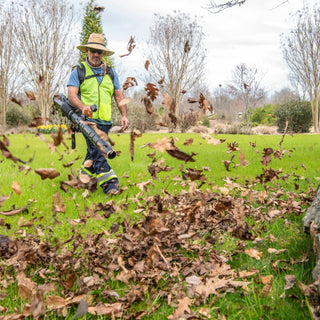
17, 116
297, 113
205, 122
188, 120
264, 115
139, 118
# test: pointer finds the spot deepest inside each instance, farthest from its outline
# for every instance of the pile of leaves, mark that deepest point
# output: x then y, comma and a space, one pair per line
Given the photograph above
169, 255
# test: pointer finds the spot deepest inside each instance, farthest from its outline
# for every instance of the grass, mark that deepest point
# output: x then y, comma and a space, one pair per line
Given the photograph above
300, 161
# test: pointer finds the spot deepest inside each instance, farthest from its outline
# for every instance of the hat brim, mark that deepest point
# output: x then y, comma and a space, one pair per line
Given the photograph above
96, 46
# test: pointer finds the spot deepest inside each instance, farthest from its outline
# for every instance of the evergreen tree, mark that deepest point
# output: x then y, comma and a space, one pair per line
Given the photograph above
91, 24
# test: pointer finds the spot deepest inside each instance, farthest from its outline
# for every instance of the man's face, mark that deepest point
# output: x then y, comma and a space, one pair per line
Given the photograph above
95, 56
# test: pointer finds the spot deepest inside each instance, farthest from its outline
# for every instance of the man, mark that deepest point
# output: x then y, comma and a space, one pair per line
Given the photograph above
97, 86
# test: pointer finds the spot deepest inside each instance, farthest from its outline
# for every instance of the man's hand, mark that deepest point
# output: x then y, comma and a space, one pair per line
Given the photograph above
124, 123
87, 111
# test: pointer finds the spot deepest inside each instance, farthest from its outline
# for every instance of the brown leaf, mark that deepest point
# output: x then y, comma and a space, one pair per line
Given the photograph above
152, 91
146, 64
186, 46
182, 309
14, 100
38, 121
6, 153
290, 281
98, 9
55, 302
31, 95
254, 253
124, 101
45, 173
16, 187
130, 46
133, 135
58, 203
233, 146
104, 309
169, 103
130, 82
148, 104
242, 160
188, 142
161, 81
265, 290
14, 211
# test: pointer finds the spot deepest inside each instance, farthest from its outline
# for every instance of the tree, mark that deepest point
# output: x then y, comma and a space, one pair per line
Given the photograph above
176, 54
246, 85
216, 8
91, 24
10, 69
47, 46
301, 51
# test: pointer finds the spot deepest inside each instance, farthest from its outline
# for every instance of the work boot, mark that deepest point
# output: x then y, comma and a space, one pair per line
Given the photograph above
111, 186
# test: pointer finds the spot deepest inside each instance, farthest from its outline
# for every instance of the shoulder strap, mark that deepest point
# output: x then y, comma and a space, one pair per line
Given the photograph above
110, 72
81, 72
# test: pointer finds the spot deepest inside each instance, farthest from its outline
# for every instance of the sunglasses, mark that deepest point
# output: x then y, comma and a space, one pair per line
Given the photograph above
96, 51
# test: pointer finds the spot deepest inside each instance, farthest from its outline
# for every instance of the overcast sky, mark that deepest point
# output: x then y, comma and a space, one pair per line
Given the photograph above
248, 34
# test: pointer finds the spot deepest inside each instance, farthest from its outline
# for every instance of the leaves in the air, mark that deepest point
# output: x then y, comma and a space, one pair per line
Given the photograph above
168, 102
204, 104
31, 95
47, 173
130, 46
266, 158
187, 46
152, 91
130, 82
188, 142
124, 102
155, 168
133, 135
161, 81
15, 100
211, 140
38, 121
227, 163
166, 144
147, 64
98, 9
4, 143
148, 104
233, 146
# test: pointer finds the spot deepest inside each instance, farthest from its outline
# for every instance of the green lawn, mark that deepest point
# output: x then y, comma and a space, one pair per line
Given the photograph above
252, 206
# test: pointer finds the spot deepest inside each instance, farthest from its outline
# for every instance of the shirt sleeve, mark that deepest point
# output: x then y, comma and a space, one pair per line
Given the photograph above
116, 82
74, 79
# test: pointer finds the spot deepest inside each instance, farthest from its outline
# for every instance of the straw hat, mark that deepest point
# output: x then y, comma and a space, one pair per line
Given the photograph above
96, 41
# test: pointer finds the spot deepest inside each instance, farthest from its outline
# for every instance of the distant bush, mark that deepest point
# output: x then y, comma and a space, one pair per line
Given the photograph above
297, 113
17, 116
264, 115
139, 118
188, 120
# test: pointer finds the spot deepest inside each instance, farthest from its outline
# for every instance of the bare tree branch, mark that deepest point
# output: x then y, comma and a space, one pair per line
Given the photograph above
216, 8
